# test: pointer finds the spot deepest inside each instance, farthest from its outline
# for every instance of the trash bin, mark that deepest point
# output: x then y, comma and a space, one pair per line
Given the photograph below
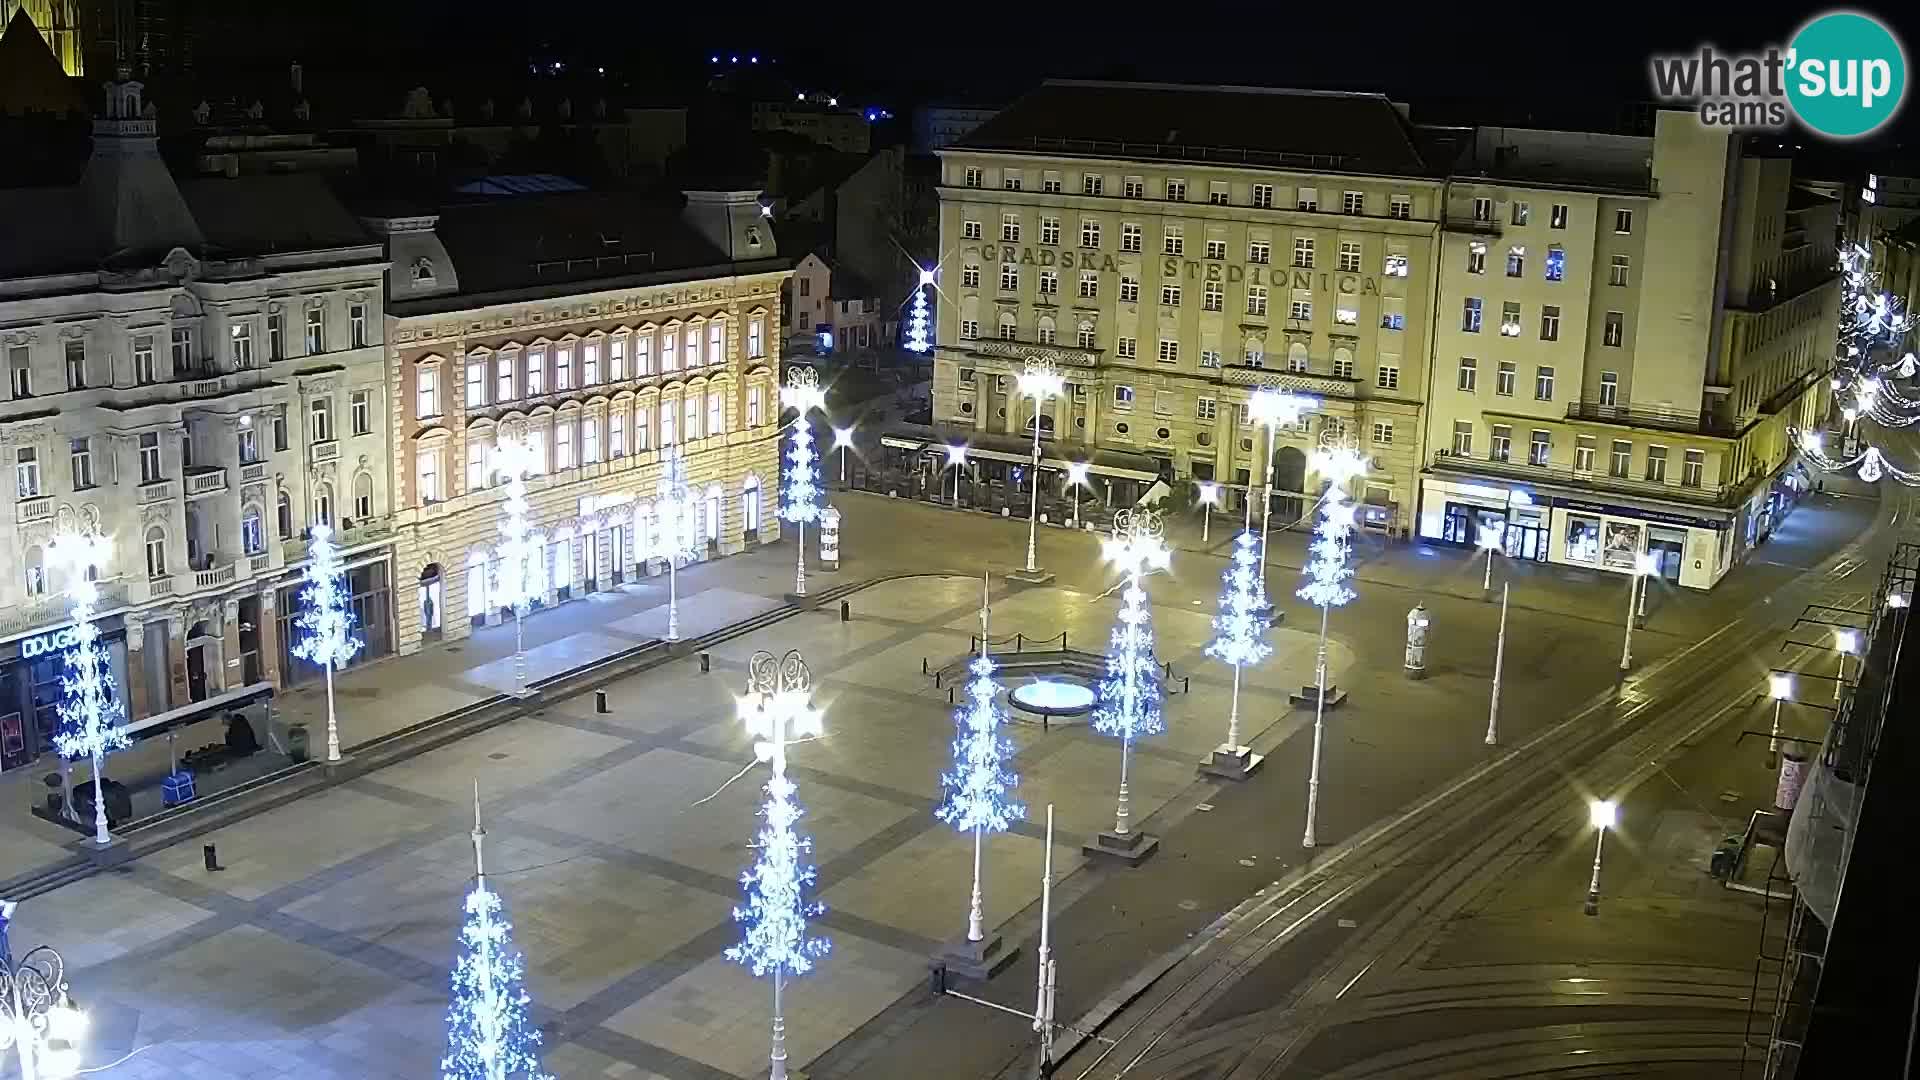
297, 743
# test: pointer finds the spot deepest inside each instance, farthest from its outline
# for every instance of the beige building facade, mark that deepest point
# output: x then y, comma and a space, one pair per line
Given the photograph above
600, 374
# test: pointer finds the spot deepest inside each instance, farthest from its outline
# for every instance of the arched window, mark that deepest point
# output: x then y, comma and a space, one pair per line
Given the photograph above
1297, 356
363, 495
1045, 331
1087, 339
156, 552
1343, 363
283, 514
323, 503
750, 504
253, 530
712, 524
1009, 327
36, 571
1256, 352
423, 271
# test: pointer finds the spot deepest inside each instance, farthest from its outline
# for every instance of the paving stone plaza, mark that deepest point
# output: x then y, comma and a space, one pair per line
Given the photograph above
616, 840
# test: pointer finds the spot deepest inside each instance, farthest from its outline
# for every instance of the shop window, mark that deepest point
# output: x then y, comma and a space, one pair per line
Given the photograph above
1583, 539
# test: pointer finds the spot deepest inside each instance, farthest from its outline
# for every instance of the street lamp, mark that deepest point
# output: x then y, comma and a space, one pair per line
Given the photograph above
1130, 693
1846, 642
1780, 688
1603, 813
802, 394
1490, 541
93, 722
516, 458
1271, 408
842, 439
1897, 600
1339, 462
1643, 565
1076, 479
38, 1018
1040, 381
956, 457
1209, 498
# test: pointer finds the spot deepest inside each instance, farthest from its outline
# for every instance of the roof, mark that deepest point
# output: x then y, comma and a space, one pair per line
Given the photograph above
41, 234
1800, 198
31, 79
268, 214
533, 240
1229, 125
523, 184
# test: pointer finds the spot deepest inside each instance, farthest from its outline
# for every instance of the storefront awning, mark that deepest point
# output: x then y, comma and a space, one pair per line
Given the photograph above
161, 723
899, 442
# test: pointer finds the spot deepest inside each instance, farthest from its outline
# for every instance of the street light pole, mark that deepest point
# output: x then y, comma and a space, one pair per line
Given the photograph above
1847, 642
1271, 408
1339, 461
842, 439
1076, 476
1209, 495
956, 457
1499, 660
1040, 381
1043, 1006
1780, 688
1602, 813
37, 1015
1643, 564
1489, 539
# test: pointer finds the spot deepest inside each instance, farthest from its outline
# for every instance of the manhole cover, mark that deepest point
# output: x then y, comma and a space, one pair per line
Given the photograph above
498, 756
1348, 924
1729, 796
1247, 862
1188, 905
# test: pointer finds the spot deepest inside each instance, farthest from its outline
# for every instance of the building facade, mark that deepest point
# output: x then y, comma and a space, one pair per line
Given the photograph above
194, 369
1625, 330
600, 364
1285, 239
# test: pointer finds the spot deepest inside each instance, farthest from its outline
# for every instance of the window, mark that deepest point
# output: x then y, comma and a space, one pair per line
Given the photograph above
1260, 251
427, 461
280, 442
642, 429
972, 177
1176, 191
247, 445
1129, 236
1086, 336
969, 328
1129, 291
1609, 388
1256, 299
20, 369
1010, 228
1353, 202
1307, 199
505, 391
694, 357
320, 420
276, 335
1400, 206
1089, 234
1516, 261
1209, 358
1395, 264
1520, 211
970, 276
563, 443
1463, 438
1509, 319
1342, 364
1300, 310
756, 338
427, 391
81, 451
1092, 184
1010, 179
1214, 298
1349, 257
1615, 329
643, 354
357, 324
1173, 241
1216, 249
1656, 464
1009, 329
1470, 315
1387, 376
1623, 221
1217, 193
76, 355
1556, 263
1123, 397
476, 462
1583, 453
1089, 284
1692, 467
1263, 196
1482, 209
1382, 433
1133, 187
476, 383
1162, 406
617, 433
26, 471
143, 367
1297, 359
1622, 458
970, 230
1618, 269
1050, 183
1504, 379
316, 330
156, 552
1170, 295
360, 409
1469, 377
1393, 315
1050, 230
1476, 257
667, 424
181, 348
1049, 282
1169, 351
1557, 219
1044, 331
1303, 252
1205, 408
536, 372
590, 360
1125, 348
363, 495
1346, 310
1543, 384
1540, 450
1009, 277
1500, 446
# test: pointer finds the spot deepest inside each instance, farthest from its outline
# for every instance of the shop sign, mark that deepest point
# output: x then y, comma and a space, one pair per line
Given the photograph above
53, 641
1636, 512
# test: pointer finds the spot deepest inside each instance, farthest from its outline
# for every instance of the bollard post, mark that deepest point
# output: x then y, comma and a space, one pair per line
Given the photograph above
949, 695
211, 857
936, 680
1186, 684
846, 611
923, 665
600, 701
706, 662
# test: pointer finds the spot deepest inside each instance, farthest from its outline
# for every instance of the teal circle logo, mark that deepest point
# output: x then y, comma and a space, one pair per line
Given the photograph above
1846, 74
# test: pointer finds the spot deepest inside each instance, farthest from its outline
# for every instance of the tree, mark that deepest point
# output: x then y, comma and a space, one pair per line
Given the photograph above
489, 1033
326, 619
980, 784
93, 722
1240, 629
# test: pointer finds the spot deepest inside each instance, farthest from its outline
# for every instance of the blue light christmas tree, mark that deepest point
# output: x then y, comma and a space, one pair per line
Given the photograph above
802, 394
92, 720
1240, 632
918, 319
676, 536
980, 786
1328, 572
1129, 694
326, 621
490, 1035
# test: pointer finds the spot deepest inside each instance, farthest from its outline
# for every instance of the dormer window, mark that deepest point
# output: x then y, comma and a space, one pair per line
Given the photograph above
753, 236
423, 271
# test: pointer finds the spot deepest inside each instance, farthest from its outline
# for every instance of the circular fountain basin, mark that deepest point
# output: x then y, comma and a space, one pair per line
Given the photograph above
1053, 697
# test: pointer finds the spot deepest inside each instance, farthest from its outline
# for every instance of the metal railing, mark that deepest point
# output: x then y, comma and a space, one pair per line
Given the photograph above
1714, 494
1701, 422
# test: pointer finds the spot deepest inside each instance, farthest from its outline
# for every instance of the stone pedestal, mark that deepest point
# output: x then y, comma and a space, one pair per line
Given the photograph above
1132, 849
1232, 762
116, 852
1038, 576
977, 960
1309, 697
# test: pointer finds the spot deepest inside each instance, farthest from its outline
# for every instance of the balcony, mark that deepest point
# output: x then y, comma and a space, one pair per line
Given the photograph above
207, 386
253, 472
1658, 419
216, 577
295, 550
205, 480
1299, 382
1470, 225
1020, 352
155, 491
323, 452
35, 508
259, 564
1587, 479
160, 586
